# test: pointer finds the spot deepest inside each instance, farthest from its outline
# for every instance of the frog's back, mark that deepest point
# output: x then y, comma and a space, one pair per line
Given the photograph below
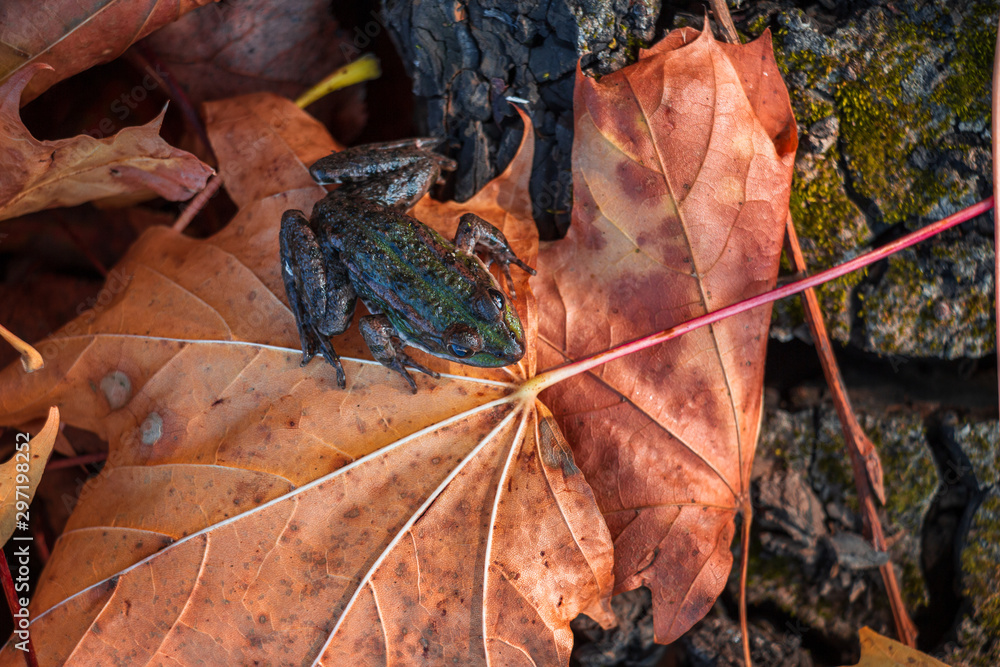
368, 234
398, 265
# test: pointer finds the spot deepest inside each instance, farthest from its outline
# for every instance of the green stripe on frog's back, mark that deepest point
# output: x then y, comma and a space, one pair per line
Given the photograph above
405, 270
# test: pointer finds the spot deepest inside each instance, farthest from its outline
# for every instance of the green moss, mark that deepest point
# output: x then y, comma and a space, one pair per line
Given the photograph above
912, 584
875, 127
817, 446
829, 224
948, 314
981, 565
812, 110
757, 26
967, 90
830, 460
911, 480
885, 119
980, 440
890, 324
901, 444
633, 44
884, 111
815, 66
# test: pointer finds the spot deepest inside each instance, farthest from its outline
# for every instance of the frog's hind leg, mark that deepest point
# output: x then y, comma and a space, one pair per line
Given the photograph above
394, 174
320, 294
412, 142
378, 334
400, 190
361, 163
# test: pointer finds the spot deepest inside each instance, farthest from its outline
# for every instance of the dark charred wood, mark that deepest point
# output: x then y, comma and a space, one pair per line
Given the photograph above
467, 59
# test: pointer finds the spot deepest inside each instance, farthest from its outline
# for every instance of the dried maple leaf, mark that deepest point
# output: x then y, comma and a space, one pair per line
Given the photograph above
20, 475
252, 511
71, 36
66, 172
682, 164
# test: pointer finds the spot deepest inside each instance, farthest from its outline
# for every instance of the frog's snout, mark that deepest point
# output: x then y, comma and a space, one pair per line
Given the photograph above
514, 350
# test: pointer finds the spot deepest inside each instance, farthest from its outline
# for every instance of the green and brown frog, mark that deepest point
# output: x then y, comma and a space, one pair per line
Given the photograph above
422, 290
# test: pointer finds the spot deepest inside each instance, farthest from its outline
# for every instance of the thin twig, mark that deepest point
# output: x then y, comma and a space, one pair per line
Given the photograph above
721, 11
905, 628
854, 435
865, 462
82, 460
196, 204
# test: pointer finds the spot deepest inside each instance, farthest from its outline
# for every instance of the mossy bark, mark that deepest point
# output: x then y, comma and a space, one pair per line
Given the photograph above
892, 104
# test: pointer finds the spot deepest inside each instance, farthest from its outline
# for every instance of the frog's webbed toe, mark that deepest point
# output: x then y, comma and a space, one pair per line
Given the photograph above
475, 232
333, 359
378, 334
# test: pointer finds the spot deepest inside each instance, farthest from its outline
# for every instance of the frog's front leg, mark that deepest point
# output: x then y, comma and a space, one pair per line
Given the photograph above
378, 332
319, 290
474, 231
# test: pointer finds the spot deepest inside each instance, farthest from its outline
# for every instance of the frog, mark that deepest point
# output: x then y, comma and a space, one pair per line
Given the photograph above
421, 290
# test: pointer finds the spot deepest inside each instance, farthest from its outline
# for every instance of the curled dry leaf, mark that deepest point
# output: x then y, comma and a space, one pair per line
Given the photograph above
74, 35
66, 172
682, 164
279, 518
20, 475
879, 651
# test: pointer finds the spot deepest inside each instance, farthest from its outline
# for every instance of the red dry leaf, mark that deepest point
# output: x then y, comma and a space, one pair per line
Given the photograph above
682, 165
251, 511
66, 172
74, 35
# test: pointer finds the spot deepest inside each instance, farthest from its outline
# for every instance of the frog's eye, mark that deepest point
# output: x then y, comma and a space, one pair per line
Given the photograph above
488, 306
459, 351
463, 342
498, 299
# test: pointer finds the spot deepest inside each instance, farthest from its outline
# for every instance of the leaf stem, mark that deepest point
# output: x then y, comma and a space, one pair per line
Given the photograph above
555, 375
82, 460
197, 203
995, 141
865, 461
747, 512
364, 68
721, 11
31, 360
